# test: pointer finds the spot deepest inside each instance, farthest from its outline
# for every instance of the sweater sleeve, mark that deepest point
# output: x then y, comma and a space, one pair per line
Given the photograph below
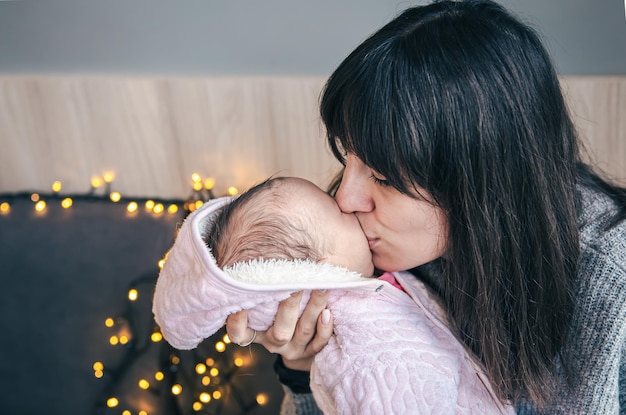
598, 327
595, 348
621, 381
298, 404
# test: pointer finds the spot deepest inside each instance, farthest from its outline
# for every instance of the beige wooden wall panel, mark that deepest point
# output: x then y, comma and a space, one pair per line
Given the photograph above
598, 108
155, 132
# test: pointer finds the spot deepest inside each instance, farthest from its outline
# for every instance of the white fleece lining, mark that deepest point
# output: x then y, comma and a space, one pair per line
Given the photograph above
278, 271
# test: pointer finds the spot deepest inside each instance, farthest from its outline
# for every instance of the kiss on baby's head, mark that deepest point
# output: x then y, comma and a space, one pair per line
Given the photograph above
288, 218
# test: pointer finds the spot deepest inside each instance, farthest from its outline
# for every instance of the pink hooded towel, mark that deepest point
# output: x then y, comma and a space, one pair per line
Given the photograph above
391, 351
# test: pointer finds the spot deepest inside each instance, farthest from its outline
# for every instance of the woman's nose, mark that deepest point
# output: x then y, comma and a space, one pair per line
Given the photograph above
353, 194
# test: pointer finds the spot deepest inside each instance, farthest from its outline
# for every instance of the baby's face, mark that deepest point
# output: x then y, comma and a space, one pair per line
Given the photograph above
349, 244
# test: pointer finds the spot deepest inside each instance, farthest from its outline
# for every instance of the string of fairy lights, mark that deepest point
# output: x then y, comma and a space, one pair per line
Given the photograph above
200, 381
101, 189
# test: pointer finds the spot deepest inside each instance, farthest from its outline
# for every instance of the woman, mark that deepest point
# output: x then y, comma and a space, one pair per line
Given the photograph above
463, 166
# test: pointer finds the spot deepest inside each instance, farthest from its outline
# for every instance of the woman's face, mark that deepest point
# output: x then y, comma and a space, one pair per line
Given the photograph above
403, 232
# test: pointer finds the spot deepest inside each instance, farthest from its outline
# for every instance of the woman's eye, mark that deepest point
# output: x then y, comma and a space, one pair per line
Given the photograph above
379, 180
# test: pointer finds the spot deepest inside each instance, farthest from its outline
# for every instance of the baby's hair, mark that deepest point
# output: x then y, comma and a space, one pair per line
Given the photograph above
256, 225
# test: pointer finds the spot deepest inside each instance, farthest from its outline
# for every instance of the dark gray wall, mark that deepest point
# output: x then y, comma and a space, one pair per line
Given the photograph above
270, 37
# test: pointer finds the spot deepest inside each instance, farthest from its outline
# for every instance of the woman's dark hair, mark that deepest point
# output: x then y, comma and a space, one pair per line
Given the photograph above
462, 100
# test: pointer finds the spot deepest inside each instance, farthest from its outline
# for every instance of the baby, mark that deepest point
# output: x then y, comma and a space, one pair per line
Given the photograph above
289, 219
391, 352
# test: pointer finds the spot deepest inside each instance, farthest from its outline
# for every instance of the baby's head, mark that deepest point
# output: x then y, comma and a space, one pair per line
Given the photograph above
288, 218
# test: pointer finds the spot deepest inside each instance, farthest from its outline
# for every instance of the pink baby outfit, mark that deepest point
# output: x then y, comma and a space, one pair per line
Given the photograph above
391, 352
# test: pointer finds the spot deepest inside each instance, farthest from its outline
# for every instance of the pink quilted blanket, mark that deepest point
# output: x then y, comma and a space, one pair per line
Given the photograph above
391, 352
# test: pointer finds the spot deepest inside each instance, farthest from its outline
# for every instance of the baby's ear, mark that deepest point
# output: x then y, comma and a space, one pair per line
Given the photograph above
328, 259
324, 261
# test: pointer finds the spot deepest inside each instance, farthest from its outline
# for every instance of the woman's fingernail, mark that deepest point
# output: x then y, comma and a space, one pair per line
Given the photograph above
322, 291
325, 316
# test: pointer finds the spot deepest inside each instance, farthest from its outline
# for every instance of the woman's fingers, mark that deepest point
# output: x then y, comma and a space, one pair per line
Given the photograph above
299, 359
298, 340
307, 325
306, 330
237, 328
324, 331
282, 332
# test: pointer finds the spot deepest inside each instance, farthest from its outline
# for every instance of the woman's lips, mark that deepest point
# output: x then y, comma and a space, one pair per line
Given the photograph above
371, 242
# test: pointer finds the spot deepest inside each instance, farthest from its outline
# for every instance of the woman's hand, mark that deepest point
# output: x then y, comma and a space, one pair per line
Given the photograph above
296, 340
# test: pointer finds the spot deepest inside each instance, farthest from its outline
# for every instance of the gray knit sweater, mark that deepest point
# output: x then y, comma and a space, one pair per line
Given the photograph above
596, 346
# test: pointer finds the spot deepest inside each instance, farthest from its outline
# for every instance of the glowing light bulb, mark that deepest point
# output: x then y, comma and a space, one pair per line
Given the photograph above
195, 177
132, 207
40, 206
115, 196
177, 389
98, 373
142, 412
199, 203
161, 263
108, 176
220, 346
159, 376
5, 207
156, 337
238, 361
209, 182
123, 339
214, 372
232, 191
114, 340
206, 381
261, 399
197, 186
175, 360
201, 368
112, 402
196, 406
217, 394
67, 203
158, 208
205, 397
210, 361
150, 204
133, 294
126, 412
144, 384
171, 209
109, 322
98, 366
96, 182
56, 186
